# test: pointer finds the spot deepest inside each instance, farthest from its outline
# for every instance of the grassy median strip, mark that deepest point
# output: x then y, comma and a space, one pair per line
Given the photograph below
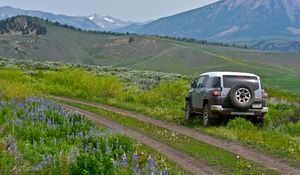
216, 157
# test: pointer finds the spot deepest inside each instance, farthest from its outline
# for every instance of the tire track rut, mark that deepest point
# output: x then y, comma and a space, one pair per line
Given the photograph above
263, 159
185, 161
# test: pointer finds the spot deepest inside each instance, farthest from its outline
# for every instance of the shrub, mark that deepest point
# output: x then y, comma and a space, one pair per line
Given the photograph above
173, 91
92, 164
17, 90
282, 114
7, 162
15, 75
80, 83
240, 124
291, 128
15, 84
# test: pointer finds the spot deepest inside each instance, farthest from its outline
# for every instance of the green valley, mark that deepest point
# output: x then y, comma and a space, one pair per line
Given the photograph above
278, 70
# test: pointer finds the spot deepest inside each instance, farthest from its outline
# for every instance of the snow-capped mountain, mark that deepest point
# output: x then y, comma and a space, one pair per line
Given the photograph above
78, 22
232, 20
93, 22
109, 23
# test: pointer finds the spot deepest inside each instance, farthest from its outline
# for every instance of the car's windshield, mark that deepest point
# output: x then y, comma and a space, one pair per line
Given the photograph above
231, 80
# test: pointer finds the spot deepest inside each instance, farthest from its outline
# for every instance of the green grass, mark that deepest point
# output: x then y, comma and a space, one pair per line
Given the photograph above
266, 140
163, 101
226, 162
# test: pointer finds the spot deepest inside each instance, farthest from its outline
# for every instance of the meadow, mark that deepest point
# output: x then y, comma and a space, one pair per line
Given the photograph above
155, 94
38, 136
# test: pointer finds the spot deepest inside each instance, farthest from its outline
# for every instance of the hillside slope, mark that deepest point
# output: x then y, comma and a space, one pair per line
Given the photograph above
150, 53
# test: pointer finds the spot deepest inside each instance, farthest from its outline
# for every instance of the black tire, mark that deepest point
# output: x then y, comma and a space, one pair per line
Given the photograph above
207, 119
189, 110
259, 121
242, 96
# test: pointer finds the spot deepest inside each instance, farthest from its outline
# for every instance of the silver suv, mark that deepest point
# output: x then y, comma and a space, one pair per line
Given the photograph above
218, 95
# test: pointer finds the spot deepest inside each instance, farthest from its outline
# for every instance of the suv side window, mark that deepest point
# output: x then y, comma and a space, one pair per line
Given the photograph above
202, 81
213, 82
216, 82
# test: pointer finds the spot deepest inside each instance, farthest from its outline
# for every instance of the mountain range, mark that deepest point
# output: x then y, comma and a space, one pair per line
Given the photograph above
260, 24
231, 20
93, 22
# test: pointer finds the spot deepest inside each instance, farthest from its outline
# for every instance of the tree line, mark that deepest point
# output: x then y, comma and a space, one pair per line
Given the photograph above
23, 24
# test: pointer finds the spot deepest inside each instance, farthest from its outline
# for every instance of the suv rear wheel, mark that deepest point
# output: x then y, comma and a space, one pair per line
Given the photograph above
207, 118
259, 121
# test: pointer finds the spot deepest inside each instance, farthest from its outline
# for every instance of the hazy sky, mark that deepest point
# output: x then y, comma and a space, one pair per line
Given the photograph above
136, 10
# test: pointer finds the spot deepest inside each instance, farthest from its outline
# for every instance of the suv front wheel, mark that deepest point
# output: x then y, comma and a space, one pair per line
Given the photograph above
188, 110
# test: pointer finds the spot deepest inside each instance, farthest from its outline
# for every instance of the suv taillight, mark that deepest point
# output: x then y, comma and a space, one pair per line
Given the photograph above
264, 94
216, 92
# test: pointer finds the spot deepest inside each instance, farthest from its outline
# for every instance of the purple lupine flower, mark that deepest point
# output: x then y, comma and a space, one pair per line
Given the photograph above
135, 157
49, 123
108, 150
11, 146
85, 147
116, 163
46, 159
124, 160
165, 171
49, 158
80, 134
98, 146
136, 169
150, 167
43, 116
18, 122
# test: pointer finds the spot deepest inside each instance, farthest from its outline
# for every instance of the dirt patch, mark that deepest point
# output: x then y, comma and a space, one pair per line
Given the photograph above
185, 161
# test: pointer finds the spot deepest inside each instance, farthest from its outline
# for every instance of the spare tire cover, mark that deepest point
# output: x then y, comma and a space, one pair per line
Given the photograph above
242, 96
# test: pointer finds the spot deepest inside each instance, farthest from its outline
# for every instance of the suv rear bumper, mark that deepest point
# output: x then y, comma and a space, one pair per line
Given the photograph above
232, 111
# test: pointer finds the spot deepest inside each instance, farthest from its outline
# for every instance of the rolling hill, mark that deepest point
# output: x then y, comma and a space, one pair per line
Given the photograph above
279, 70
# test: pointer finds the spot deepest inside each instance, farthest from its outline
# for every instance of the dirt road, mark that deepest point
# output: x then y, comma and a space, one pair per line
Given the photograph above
266, 161
185, 161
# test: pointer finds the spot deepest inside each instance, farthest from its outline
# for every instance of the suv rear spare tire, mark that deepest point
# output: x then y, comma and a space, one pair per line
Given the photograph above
242, 96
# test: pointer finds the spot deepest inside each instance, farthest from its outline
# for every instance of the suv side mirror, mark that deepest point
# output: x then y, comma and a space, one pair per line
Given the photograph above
193, 85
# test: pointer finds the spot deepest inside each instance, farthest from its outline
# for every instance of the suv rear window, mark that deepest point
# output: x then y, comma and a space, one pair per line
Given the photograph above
230, 80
